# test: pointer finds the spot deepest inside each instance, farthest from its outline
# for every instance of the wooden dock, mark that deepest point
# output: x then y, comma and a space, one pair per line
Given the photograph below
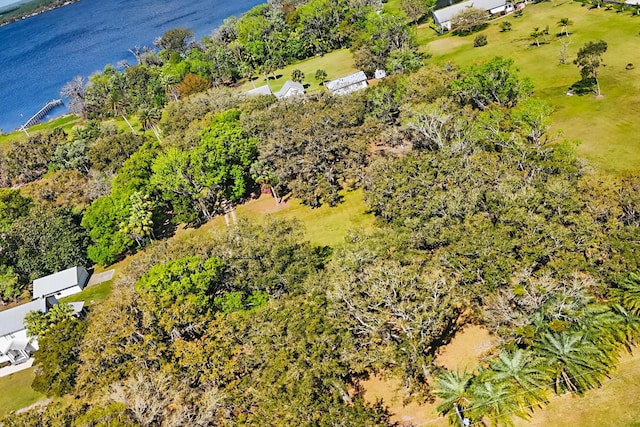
37, 117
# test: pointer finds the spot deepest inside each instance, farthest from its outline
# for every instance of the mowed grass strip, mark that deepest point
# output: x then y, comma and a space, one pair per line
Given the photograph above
325, 225
91, 294
17, 392
606, 126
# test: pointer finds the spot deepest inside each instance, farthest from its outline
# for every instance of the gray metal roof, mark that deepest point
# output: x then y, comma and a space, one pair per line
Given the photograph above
262, 90
56, 282
345, 81
77, 306
445, 14
289, 85
12, 320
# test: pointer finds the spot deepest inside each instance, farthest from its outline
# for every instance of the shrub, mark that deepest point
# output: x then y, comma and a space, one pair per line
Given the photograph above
480, 40
505, 26
321, 75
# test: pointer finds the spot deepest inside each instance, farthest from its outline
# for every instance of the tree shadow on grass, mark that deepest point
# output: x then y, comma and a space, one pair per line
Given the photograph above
584, 87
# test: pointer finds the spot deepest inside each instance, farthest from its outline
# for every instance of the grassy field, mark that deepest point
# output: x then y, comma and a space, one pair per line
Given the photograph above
65, 122
323, 226
91, 294
605, 126
337, 64
17, 392
613, 405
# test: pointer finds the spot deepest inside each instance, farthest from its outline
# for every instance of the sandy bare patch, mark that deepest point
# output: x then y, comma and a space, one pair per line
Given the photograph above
266, 204
413, 414
466, 349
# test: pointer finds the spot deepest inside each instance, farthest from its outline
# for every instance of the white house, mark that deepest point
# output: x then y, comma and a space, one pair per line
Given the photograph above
61, 284
442, 17
15, 346
260, 90
290, 89
347, 84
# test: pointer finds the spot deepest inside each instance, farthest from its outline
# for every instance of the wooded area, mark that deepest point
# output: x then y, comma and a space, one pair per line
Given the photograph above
482, 216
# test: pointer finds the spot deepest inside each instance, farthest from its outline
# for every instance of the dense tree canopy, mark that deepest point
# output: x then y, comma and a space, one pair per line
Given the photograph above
481, 214
324, 142
44, 242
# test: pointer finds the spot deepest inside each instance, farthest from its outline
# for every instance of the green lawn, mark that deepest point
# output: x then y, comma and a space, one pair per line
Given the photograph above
337, 64
91, 294
325, 225
605, 126
65, 122
393, 6
17, 392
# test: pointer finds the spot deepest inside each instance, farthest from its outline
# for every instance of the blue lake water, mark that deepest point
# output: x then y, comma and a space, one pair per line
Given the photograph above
39, 55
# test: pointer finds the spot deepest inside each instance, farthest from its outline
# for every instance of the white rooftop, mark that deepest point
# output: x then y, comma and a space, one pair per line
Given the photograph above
294, 87
345, 81
261, 90
445, 14
56, 282
12, 320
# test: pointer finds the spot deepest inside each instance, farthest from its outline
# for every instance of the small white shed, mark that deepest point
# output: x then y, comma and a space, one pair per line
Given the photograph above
61, 284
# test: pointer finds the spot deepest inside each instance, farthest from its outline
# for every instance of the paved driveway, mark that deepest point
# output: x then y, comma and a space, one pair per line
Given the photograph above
101, 277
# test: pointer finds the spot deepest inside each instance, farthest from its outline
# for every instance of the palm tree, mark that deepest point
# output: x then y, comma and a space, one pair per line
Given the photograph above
628, 327
524, 375
170, 85
453, 388
263, 173
628, 293
495, 402
574, 363
117, 100
139, 225
599, 325
535, 35
149, 118
564, 23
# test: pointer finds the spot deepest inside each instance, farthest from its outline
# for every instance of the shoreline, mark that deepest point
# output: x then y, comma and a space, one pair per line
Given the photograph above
35, 12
